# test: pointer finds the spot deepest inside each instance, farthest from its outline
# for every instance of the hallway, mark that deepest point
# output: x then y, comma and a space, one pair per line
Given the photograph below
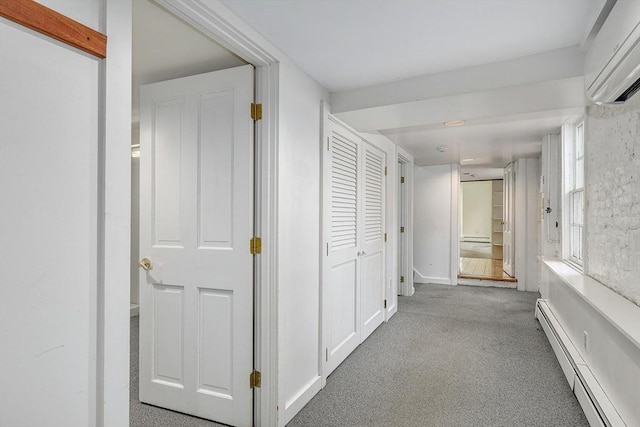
451, 356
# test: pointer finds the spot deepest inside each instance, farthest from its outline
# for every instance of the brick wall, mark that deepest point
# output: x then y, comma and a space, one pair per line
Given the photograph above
613, 197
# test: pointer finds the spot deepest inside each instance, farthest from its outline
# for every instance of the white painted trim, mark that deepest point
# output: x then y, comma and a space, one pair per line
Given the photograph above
300, 399
419, 278
325, 112
487, 283
592, 398
520, 226
220, 24
475, 239
454, 266
407, 289
115, 187
619, 311
134, 310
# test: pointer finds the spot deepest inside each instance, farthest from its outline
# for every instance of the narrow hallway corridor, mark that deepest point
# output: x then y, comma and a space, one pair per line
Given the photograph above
451, 356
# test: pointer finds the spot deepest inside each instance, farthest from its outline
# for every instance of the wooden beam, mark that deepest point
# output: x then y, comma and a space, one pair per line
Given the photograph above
53, 24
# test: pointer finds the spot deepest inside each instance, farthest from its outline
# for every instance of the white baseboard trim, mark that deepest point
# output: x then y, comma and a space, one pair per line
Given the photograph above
476, 239
300, 399
488, 283
134, 309
597, 407
419, 278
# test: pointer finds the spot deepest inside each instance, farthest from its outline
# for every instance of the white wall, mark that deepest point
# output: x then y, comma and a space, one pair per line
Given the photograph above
527, 224
73, 253
612, 145
476, 210
432, 222
298, 239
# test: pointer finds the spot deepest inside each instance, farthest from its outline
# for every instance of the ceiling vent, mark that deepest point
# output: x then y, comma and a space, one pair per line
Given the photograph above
613, 62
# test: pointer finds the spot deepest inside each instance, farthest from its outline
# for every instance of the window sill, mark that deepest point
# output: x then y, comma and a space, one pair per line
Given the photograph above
577, 267
619, 311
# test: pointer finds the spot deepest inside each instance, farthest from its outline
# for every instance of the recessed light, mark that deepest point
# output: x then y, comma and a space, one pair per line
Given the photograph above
452, 123
442, 148
467, 160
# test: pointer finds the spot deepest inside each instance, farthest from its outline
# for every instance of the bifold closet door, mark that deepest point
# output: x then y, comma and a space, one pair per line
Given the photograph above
354, 215
372, 255
342, 261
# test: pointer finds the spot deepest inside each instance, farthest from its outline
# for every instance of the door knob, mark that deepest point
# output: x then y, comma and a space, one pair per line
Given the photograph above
145, 263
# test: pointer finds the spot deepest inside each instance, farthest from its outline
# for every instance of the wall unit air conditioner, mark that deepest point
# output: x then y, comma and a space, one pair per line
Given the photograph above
612, 64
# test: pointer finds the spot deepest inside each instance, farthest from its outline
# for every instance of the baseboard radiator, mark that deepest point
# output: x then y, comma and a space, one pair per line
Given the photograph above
597, 408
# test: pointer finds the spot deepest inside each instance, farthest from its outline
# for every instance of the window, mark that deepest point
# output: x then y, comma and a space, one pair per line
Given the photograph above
573, 206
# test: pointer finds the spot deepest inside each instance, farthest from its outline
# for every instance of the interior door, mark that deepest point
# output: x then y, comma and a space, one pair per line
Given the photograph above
342, 234
196, 222
372, 289
508, 237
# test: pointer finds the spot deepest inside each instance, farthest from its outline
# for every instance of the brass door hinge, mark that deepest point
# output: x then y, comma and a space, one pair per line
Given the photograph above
402, 180
401, 279
256, 111
402, 229
385, 171
255, 379
255, 245
385, 237
385, 303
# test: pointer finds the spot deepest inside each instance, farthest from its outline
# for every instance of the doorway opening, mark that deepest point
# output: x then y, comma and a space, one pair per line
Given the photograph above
482, 225
168, 50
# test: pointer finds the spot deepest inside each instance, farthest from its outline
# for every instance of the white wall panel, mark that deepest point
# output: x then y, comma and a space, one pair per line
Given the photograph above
215, 370
432, 224
168, 338
298, 239
215, 165
167, 130
49, 139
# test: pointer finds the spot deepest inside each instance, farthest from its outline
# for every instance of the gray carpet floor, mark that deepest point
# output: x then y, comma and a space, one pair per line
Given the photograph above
451, 356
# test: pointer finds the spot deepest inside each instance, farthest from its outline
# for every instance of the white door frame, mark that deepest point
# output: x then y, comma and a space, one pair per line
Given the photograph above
217, 22
406, 270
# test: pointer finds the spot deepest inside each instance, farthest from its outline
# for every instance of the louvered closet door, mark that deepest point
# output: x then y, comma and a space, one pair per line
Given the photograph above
372, 256
342, 267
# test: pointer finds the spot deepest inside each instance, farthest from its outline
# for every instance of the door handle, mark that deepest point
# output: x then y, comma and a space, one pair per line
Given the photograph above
145, 263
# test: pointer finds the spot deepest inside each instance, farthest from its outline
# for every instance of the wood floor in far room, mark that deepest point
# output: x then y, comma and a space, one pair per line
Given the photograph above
479, 268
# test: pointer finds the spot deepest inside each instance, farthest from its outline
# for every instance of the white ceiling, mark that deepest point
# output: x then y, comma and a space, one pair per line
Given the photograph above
371, 45
403, 67
345, 44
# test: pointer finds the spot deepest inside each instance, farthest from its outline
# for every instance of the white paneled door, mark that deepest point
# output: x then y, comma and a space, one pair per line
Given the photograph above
508, 237
354, 218
196, 222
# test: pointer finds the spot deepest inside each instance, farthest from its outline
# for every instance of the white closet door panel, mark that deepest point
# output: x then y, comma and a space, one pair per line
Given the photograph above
372, 265
342, 267
344, 334
344, 193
